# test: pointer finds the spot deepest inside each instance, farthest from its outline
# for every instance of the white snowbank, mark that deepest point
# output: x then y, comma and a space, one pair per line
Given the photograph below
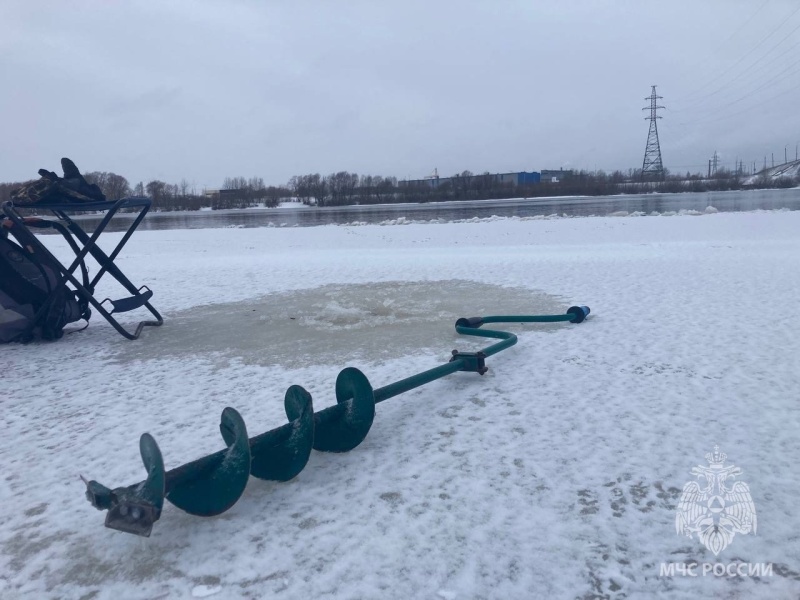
438, 221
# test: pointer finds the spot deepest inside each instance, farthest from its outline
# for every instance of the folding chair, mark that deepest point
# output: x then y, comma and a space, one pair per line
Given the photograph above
84, 244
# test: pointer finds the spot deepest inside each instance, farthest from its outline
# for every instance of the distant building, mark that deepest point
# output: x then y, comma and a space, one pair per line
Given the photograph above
512, 179
432, 180
524, 178
506, 178
556, 176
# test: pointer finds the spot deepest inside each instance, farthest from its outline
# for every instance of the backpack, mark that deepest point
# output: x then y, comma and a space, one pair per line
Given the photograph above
50, 188
27, 279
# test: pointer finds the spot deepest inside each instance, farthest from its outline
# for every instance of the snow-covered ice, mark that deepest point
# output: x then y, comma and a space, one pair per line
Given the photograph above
556, 475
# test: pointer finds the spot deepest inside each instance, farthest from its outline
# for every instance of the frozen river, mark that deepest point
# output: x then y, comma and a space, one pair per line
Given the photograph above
735, 201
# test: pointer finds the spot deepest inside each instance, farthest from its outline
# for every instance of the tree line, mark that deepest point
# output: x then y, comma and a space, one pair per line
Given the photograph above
236, 192
344, 188
349, 188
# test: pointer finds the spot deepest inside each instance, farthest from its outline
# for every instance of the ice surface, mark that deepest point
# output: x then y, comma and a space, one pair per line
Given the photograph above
204, 591
328, 324
556, 475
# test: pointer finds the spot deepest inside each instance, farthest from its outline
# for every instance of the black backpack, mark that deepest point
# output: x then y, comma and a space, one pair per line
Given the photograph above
70, 189
27, 280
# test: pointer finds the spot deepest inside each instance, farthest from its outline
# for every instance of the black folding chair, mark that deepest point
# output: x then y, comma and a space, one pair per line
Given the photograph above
84, 244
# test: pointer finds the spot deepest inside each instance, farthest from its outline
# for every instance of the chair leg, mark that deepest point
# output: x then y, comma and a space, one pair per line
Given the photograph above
106, 266
109, 316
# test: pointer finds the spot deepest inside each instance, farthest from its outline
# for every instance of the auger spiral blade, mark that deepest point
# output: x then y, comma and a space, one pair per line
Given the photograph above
280, 454
212, 484
342, 427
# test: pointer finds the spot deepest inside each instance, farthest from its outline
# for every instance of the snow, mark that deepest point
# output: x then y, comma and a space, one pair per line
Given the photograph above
204, 591
790, 170
556, 475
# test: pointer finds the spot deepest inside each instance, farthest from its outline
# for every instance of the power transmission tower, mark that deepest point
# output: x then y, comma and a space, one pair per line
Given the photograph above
652, 167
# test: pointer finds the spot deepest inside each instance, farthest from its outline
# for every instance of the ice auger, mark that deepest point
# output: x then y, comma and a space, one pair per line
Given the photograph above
210, 485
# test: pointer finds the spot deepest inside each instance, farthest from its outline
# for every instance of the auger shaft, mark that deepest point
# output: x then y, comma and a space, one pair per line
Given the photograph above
212, 484
415, 381
186, 474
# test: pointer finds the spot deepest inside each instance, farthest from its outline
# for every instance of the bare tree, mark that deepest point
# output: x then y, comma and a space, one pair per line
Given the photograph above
113, 186
298, 190
274, 194
98, 178
385, 189
155, 189
117, 187
317, 188
257, 189
184, 188
341, 187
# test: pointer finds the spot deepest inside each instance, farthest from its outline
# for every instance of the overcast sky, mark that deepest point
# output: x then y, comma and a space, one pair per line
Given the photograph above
203, 90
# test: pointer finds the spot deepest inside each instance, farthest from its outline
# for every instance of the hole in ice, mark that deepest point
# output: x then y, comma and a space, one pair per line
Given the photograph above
333, 324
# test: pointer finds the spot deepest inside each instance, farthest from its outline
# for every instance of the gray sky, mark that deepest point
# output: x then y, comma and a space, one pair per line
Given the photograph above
203, 90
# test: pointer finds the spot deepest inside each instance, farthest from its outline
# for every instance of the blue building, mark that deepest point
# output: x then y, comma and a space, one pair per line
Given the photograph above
524, 178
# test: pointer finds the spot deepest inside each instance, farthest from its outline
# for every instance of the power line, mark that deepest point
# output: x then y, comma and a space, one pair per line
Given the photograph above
708, 82
764, 85
794, 64
746, 110
743, 25
756, 47
744, 71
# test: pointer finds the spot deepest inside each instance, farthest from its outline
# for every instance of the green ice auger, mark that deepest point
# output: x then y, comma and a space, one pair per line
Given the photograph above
210, 485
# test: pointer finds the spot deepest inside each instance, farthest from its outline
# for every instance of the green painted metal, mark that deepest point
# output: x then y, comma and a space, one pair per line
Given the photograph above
528, 318
344, 426
212, 484
280, 454
152, 491
509, 339
409, 383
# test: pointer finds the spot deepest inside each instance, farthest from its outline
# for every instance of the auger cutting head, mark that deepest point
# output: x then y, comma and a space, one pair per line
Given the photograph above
134, 509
